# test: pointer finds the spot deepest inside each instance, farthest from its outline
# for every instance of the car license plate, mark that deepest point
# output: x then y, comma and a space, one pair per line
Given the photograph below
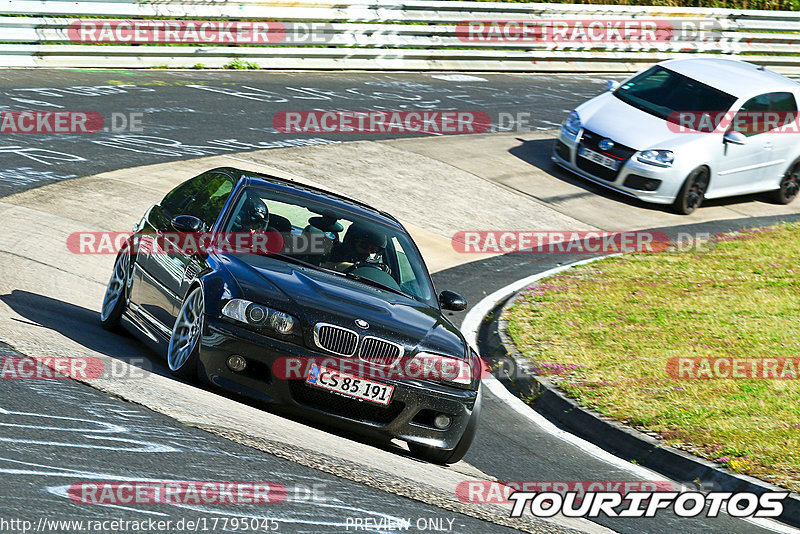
350, 385
598, 158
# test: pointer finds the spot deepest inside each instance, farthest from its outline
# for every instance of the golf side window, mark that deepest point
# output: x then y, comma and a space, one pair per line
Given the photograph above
764, 113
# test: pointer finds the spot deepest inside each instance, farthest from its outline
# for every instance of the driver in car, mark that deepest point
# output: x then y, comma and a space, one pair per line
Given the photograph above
253, 217
361, 245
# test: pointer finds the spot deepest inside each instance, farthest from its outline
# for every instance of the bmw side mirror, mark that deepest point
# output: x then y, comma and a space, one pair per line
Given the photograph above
187, 223
612, 85
450, 300
735, 138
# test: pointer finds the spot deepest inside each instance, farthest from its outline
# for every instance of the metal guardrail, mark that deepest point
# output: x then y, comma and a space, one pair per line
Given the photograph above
382, 34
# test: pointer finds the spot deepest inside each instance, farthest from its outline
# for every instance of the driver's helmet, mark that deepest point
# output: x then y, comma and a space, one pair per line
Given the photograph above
254, 215
362, 242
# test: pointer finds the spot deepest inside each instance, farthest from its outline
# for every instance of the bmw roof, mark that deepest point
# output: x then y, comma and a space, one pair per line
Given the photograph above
256, 178
737, 78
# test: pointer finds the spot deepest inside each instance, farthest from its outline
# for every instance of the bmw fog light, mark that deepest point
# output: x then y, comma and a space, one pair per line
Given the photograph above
442, 421
236, 363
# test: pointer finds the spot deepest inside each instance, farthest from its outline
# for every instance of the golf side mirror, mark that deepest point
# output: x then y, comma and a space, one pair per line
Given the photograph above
612, 85
735, 138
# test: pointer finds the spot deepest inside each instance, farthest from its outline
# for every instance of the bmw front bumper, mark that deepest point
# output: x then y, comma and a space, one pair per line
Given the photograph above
401, 419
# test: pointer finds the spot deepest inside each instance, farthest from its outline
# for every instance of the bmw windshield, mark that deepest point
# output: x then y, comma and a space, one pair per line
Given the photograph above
335, 240
666, 94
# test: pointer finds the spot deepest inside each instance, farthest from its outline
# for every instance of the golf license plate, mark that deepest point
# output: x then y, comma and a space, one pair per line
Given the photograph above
599, 158
350, 385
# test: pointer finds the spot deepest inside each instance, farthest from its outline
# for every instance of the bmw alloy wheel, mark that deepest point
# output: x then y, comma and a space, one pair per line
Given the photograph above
114, 299
186, 333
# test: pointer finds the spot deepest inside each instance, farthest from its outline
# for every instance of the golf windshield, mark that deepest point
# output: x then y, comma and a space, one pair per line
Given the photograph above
667, 94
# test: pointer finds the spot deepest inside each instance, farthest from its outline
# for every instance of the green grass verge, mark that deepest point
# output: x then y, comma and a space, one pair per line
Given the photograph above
604, 333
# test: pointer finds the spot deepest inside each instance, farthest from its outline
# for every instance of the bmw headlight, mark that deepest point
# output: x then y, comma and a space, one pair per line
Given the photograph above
281, 322
660, 158
427, 365
572, 125
254, 314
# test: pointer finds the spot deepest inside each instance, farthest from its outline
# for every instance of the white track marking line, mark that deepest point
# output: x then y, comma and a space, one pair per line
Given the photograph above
458, 78
469, 327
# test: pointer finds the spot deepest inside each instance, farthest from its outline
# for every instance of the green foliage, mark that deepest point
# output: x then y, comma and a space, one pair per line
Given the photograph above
239, 64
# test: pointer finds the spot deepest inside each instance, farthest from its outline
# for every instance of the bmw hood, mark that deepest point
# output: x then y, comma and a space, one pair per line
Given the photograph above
319, 297
610, 117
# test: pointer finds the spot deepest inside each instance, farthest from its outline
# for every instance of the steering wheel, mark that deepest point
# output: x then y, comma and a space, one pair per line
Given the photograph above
357, 265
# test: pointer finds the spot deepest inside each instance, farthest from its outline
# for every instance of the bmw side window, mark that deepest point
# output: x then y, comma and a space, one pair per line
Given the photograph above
207, 202
176, 200
406, 275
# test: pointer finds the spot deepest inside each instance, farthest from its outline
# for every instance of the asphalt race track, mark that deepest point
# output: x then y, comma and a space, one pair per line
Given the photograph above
56, 433
195, 113
109, 439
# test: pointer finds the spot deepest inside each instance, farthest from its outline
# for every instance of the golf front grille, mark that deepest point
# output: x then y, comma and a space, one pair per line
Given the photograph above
591, 140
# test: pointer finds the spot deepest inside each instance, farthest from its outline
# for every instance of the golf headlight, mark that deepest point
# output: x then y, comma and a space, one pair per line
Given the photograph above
660, 158
257, 315
444, 368
572, 125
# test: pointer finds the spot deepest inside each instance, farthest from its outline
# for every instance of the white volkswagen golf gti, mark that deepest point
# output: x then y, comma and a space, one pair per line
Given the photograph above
688, 129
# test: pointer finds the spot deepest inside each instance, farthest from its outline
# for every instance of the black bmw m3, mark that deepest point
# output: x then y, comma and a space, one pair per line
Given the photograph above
338, 283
